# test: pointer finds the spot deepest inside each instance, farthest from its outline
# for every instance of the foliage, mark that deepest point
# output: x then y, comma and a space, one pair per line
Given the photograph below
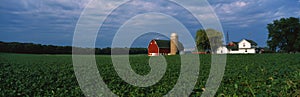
208, 39
245, 75
284, 34
37, 75
202, 40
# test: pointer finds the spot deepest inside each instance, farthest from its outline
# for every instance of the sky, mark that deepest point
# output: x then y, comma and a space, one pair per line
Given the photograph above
53, 22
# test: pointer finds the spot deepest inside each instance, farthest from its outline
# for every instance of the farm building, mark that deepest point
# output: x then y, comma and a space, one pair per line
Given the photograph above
165, 47
245, 46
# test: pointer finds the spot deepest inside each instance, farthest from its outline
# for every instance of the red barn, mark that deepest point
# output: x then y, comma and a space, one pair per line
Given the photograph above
157, 47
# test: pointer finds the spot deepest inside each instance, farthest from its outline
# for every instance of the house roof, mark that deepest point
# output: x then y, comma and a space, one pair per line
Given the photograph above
251, 42
235, 42
235, 47
232, 42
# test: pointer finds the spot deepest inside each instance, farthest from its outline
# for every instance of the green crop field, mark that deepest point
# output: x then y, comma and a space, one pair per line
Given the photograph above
245, 75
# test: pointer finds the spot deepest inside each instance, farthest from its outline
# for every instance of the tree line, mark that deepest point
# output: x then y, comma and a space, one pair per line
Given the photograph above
31, 48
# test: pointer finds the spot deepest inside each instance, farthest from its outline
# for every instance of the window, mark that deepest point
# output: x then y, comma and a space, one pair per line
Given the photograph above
246, 50
244, 45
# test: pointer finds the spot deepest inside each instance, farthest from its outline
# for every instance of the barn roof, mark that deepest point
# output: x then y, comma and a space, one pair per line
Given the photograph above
166, 44
163, 43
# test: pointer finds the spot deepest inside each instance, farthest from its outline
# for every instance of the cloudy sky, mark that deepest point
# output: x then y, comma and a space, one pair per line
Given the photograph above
54, 21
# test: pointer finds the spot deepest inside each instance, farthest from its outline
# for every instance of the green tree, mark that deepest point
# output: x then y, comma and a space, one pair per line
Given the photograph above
297, 44
202, 41
208, 39
284, 35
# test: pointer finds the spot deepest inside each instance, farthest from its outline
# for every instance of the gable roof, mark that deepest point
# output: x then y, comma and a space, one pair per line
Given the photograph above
251, 42
235, 47
163, 43
166, 44
234, 43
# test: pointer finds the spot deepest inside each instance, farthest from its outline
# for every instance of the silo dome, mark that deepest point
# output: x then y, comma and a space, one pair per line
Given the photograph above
174, 35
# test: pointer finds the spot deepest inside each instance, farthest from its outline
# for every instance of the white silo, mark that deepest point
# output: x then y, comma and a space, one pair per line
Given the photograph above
173, 44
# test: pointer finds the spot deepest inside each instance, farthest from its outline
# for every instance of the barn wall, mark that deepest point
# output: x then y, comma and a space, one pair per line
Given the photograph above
164, 50
153, 48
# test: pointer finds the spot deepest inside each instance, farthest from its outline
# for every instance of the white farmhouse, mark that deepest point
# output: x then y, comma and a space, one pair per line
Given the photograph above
243, 47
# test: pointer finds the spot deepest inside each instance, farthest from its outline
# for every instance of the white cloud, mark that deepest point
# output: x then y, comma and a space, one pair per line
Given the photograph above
206, 16
145, 5
298, 13
231, 7
239, 13
240, 4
